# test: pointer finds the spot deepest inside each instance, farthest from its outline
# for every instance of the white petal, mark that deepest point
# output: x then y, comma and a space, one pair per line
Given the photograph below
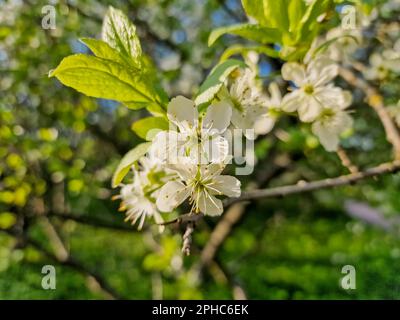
216, 149
329, 140
294, 72
211, 170
242, 120
345, 121
291, 101
264, 125
333, 97
168, 146
255, 111
184, 168
218, 116
310, 109
322, 70
275, 92
182, 110
210, 205
226, 185
171, 195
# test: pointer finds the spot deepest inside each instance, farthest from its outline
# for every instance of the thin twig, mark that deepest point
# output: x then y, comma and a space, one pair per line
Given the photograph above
346, 162
184, 218
187, 238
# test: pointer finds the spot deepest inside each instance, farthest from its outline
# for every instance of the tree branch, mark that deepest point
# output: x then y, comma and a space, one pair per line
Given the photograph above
375, 100
346, 162
303, 186
220, 233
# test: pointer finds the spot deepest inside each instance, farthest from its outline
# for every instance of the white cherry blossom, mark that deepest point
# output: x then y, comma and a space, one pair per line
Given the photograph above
199, 138
266, 121
201, 184
138, 198
246, 99
138, 202
382, 64
313, 90
331, 123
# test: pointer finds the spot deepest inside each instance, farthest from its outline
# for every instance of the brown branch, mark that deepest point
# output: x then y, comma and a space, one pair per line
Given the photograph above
220, 233
346, 162
184, 218
375, 100
187, 238
56, 242
303, 186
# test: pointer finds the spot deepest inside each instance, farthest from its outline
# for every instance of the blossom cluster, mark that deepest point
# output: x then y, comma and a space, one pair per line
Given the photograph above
185, 163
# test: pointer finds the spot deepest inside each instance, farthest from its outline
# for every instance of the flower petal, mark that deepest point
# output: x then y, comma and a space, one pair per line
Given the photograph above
264, 125
322, 70
211, 170
276, 96
171, 195
240, 120
185, 168
225, 185
210, 205
295, 72
168, 146
218, 116
291, 101
216, 149
310, 109
182, 111
329, 140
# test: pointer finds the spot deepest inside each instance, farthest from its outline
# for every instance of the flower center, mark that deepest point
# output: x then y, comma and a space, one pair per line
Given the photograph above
327, 114
309, 89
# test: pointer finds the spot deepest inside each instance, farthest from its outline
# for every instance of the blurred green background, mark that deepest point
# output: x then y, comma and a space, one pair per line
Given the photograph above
58, 150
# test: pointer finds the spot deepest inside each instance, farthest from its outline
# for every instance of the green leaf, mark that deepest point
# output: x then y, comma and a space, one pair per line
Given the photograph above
127, 161
103, 50
120, 34
241, 49
147, 128
215, 80
309, 23
296, 11
253, 32
100, 78
276, 13
255, 9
